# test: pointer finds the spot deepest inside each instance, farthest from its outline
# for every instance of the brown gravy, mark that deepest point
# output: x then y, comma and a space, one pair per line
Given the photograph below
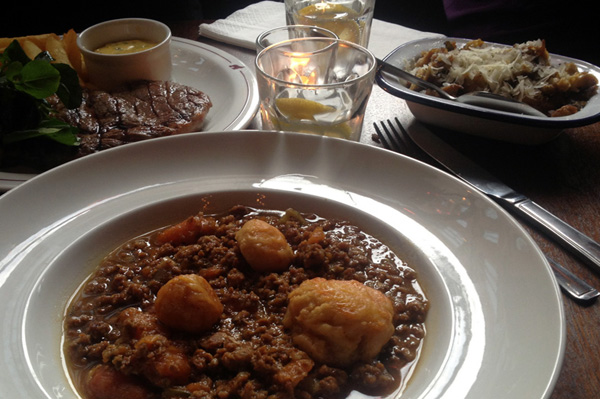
111, 328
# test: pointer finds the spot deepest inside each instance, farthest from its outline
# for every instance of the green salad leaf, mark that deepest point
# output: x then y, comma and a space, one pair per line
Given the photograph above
24, 86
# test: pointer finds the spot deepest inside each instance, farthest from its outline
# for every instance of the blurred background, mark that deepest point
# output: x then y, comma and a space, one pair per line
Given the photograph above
569, 28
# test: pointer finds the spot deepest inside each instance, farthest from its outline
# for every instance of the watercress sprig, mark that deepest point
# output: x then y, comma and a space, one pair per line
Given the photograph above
24, 86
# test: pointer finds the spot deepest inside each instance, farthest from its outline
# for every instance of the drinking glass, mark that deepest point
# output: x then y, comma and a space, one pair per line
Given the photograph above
349, 19
315, 85
282, 33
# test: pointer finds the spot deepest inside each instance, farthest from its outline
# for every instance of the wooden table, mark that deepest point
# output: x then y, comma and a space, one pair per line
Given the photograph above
563, 176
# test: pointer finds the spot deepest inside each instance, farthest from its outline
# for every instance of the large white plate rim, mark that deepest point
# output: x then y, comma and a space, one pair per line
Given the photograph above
74, 206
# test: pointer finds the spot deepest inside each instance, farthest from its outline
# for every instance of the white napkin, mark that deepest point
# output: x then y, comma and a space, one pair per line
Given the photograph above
243, 27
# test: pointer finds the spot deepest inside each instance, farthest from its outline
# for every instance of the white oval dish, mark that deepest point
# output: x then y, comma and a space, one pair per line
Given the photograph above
476, 264
479, 121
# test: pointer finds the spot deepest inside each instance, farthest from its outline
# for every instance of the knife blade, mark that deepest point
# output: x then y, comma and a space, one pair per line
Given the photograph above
467, 170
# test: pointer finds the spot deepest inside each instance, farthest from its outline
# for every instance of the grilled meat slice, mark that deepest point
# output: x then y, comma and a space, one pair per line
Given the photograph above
146, 109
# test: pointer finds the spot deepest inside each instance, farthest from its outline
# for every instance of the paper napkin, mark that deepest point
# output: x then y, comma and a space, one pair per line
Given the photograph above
243, 27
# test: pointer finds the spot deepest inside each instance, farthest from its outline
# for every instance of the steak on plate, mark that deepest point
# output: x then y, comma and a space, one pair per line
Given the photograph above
147, 109
144, 110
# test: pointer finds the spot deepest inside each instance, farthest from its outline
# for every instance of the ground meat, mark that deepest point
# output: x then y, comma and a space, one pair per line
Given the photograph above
112, 332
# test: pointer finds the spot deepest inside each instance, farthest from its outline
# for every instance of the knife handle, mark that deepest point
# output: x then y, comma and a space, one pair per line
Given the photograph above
575, 240
571, 284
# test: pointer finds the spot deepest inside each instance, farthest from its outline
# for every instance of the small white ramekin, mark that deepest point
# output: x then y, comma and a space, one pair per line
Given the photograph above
112, 71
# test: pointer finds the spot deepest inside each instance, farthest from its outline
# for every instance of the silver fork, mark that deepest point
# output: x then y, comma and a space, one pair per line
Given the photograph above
394, 137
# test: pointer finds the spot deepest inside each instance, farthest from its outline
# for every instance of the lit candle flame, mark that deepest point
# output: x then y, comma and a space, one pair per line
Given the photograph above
297, 64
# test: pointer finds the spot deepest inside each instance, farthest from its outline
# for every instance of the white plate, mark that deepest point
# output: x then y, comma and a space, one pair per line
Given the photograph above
496, 326
479, 121
230, 84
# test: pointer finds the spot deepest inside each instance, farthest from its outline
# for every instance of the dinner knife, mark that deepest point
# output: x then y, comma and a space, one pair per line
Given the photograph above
517, 203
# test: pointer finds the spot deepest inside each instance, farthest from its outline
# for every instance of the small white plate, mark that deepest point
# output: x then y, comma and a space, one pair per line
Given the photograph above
230, 84
479, 121
496, 325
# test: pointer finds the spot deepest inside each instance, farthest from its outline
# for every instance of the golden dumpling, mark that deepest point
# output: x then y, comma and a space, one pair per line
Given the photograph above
264, 247
188, 303
339, 322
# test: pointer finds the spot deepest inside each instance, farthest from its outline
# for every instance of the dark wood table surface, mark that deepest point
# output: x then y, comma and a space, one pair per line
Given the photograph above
562, 176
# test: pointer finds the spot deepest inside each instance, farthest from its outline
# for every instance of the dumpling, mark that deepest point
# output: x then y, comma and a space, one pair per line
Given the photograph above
188, 303
339, 322
264, 246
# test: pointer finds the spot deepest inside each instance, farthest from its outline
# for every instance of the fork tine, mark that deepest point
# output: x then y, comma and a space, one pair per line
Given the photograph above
388, 142
382, 138
394, 138
402, 135
397, 145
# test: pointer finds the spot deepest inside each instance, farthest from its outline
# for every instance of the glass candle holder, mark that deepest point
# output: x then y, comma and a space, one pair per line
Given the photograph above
315, 85
282, 33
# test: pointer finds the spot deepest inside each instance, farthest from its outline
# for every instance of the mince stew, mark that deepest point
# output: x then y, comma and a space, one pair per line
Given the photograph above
196, 310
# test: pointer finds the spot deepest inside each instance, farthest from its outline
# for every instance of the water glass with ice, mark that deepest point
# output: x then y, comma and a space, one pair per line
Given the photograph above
349, 19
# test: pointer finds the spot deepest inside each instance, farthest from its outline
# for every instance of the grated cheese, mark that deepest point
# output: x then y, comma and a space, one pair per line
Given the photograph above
523, 71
